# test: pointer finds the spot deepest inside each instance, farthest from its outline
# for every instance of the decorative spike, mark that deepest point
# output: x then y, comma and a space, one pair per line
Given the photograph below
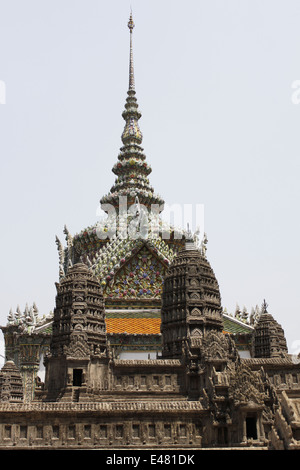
69, 238
61, 271
203, 245
31, 313
60, 249
237, 311
11, 316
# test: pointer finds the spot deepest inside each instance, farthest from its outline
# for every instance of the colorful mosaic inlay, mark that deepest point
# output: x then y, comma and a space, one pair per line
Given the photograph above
141, 277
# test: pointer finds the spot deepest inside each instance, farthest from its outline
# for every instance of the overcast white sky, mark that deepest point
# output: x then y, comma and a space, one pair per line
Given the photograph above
214, 84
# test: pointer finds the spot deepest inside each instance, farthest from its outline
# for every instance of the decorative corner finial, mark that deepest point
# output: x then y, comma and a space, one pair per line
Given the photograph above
203, 245
189, 240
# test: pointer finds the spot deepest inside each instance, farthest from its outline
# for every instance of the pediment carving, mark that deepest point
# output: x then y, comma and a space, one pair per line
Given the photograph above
246, 386
196, 333
216, 345
196, 311
78, 347
195, 295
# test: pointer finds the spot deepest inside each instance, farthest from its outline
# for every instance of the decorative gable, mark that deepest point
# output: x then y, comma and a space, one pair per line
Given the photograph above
140, 277
246, 386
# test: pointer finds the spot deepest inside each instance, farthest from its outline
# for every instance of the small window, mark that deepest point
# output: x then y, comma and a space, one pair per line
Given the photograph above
151, 430
167, 429
87, 431
103, 431
7, 432
135, 430
168, 380
55, 432
118, 380
131, 380
23, 432
119, 431
182, 430
295, 379
72, 431
155, 380
39, 432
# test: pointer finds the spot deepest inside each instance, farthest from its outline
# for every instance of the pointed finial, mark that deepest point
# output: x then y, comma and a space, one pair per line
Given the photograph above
131, 71
130, 22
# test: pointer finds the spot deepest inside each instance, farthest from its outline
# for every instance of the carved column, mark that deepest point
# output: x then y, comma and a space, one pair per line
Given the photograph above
29, 358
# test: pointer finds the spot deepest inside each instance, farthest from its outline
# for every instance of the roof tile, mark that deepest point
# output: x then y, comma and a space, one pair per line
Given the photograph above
133, 325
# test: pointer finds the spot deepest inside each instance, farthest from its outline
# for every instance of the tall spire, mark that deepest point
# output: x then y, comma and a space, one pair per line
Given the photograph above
132, 170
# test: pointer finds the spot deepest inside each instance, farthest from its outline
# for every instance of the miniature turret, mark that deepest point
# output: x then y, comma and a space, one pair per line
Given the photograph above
268, 337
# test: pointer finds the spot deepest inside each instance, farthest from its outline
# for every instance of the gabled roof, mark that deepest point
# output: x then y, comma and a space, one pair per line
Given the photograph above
117, 252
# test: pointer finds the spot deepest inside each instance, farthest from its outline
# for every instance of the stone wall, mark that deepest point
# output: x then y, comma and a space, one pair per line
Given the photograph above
101, 425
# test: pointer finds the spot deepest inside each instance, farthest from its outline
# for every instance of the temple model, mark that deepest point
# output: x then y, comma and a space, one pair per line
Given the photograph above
148, 294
